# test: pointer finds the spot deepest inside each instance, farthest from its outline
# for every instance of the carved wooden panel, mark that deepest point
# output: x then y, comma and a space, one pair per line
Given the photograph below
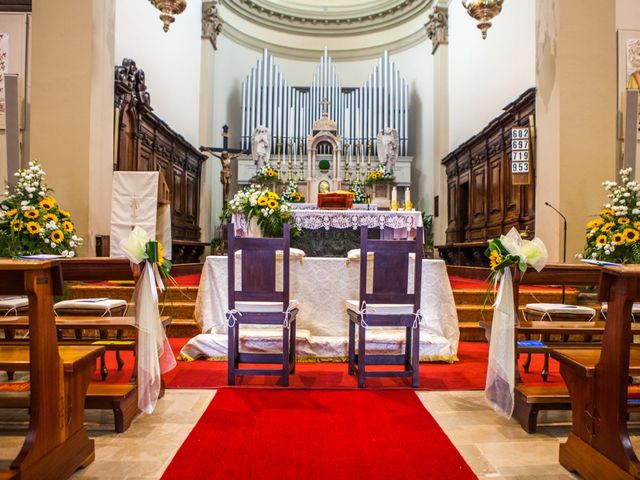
146, 143
482, 201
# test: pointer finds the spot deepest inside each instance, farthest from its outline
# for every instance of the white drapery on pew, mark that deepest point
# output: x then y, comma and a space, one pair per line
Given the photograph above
321, 286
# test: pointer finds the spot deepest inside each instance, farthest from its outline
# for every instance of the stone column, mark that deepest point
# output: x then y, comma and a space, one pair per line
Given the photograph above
575, 116
72, 107
438, 33
210, 188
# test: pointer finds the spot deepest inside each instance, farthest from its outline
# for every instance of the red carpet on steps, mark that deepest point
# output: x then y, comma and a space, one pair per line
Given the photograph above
467, 374
312, 434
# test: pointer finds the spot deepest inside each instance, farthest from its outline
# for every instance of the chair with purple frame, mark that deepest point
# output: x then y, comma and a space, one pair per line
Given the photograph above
389, 304
258, 302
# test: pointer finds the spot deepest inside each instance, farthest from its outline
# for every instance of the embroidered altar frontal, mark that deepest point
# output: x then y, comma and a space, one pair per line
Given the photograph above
321, 286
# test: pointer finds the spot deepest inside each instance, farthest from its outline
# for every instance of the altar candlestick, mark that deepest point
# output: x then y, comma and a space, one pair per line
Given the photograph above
279, 154
290, 176
301, 175
368, 156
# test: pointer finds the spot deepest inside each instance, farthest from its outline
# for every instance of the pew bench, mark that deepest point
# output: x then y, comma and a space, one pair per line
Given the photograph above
102, 324
121, 398
564, 329
529, 400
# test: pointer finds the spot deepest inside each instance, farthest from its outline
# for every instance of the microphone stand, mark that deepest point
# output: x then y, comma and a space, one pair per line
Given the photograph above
564, 241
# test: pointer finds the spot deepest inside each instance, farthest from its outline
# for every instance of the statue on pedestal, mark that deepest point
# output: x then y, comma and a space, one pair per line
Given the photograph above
388, 142
261, 145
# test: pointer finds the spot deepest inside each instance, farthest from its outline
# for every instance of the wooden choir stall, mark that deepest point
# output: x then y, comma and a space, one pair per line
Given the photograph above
146, 143
483, 201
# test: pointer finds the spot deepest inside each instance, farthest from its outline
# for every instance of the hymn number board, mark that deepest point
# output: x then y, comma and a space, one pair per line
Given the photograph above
520, 156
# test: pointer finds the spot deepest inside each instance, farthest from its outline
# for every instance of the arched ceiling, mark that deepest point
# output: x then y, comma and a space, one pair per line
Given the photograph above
351, 29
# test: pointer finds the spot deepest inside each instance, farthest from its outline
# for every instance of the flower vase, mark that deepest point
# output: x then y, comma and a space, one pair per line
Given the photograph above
381, 195
253, 229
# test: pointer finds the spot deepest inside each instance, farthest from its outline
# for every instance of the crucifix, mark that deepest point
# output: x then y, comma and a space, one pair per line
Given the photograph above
325, 106
135, 205
225, 156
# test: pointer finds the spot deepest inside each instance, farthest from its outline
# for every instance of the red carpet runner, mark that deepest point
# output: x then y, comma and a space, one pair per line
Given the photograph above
313, 434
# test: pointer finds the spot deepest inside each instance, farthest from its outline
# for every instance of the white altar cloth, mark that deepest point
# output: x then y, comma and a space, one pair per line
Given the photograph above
321, 286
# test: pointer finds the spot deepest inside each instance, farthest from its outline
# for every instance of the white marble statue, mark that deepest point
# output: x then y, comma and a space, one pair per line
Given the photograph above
261, 145
388, 142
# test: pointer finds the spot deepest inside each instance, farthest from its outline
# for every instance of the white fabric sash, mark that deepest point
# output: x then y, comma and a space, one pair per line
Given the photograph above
154, 355
501, 366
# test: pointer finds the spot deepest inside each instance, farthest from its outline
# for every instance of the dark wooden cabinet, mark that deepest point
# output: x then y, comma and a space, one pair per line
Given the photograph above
146, 143
483, 203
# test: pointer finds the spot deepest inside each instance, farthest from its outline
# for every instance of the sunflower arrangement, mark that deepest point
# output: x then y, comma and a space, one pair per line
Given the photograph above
270, 210
359, 195
291, 194
266, 174
380, 174
613, 236
32, 222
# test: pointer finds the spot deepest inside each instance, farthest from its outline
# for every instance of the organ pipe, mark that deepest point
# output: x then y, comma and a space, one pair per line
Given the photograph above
268, 99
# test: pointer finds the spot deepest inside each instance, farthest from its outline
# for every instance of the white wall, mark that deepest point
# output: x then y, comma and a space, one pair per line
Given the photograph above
171, 61
628, 14
485, 75
233, 63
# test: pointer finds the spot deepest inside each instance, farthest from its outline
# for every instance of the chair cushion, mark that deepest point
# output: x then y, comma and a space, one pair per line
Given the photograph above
355, 254
294, 253
381, 308
101, 304
635, 309
551, 308
264, 307
11, 303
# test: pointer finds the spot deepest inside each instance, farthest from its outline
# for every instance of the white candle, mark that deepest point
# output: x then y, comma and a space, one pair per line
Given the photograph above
407, 195
394, 195
347, 123
358, 131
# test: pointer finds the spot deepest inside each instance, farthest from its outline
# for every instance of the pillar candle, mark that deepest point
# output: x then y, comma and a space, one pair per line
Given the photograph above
407, 195
394, 195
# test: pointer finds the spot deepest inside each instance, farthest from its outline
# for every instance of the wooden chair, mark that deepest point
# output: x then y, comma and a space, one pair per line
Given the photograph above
259, 303
389, 304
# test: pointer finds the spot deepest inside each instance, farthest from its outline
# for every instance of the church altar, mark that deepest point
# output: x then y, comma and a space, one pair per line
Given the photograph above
321, 286
332, 233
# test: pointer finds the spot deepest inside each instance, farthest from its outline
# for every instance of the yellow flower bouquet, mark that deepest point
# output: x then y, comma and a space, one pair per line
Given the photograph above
266, 174
613, 235
32, 222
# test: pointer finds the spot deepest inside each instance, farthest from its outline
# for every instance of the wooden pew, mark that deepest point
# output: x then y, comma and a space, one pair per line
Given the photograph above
598, 446
56, 444
121, 398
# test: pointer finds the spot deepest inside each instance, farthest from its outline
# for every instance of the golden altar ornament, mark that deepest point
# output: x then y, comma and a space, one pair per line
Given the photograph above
483, 11
169, 8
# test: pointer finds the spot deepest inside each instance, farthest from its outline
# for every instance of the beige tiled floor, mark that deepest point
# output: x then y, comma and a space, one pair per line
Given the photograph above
494, 447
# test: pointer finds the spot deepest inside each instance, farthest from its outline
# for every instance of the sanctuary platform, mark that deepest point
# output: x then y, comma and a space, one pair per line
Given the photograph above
321, 287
